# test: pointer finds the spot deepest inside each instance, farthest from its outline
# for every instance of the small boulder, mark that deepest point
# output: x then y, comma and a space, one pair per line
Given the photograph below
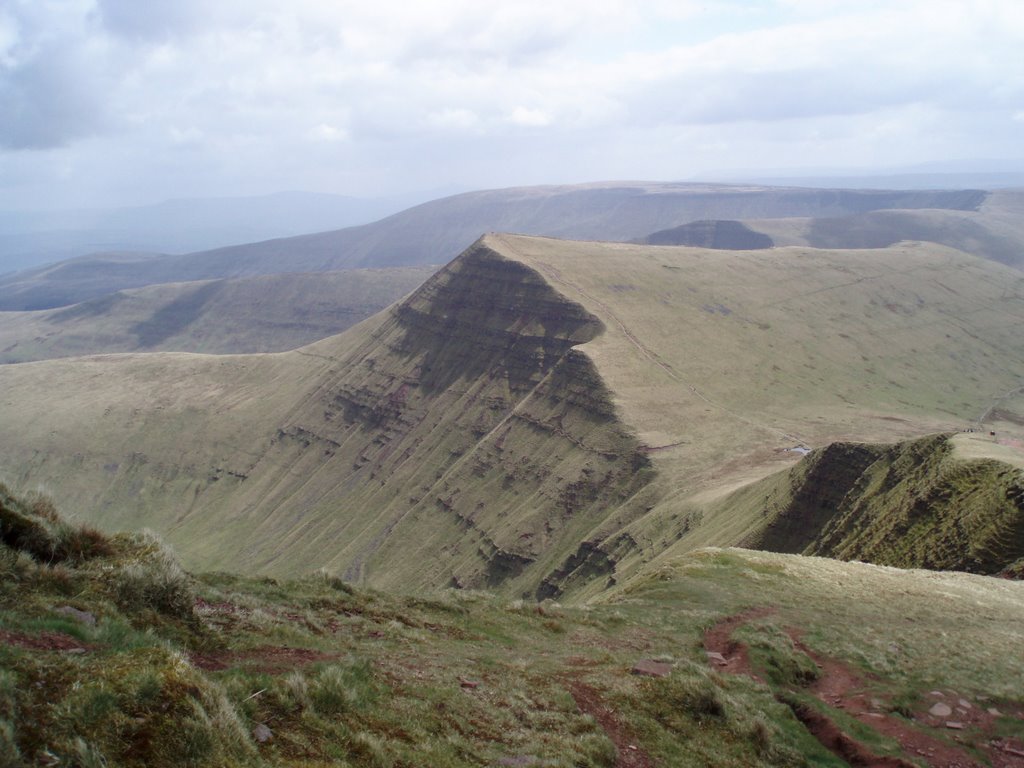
964, 703
262, 734
652, 668
940, 710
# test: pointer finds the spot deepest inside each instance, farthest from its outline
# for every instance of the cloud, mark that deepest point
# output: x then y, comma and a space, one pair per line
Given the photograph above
275, 94
533, 118
49, 87
152, 20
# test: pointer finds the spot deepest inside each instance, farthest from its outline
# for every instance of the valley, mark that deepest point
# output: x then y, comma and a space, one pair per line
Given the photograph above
558, 502
541, 416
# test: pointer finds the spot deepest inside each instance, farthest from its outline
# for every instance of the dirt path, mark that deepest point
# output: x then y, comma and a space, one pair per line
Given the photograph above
841, 687
729, 655
590, 702
43, 641
996, 402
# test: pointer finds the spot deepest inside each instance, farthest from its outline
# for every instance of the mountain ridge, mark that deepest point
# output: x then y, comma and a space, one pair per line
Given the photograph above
431, 232
530, 420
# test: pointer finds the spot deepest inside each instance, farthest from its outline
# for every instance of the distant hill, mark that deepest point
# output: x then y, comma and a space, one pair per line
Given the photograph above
722, 235
432, 232
541, 417
994, 231
268, 313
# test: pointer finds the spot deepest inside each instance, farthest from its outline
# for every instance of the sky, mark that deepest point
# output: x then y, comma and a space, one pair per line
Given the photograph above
123, 102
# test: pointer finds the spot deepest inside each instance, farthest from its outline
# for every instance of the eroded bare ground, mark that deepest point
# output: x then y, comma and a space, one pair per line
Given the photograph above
590, 702
939, 734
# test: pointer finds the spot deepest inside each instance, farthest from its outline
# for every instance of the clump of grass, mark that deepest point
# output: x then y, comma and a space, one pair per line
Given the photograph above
339, 688
154, 580
371, 750
30, 524
88, 756
10, 755
774, 652
694, 697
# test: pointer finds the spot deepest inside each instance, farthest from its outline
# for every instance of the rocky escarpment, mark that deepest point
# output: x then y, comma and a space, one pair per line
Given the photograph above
912, 504
465, 442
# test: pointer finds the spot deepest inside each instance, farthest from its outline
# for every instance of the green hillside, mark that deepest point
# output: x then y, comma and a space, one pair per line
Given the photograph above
113, 655
541, 417
270, 313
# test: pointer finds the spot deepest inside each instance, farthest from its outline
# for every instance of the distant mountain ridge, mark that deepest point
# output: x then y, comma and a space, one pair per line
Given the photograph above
431, 232
542, 417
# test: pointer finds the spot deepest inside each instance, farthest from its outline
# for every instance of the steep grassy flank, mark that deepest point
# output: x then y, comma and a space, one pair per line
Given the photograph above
913, 504
119, 658
541, 417
431, 233
258, 314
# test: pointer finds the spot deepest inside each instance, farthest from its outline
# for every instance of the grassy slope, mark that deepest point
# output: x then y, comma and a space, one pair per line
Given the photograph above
180, 670
453, 440
257, 314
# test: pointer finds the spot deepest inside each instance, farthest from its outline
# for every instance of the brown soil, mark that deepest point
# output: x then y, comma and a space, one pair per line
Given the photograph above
837, 742
42, 641
590, 702
719, 640
272, 660
841, 687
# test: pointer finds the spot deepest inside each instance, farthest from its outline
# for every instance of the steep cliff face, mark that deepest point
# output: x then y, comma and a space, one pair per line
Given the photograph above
912, 504
464, 441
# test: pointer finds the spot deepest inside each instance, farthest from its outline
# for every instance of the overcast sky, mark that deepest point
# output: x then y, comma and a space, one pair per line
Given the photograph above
112, 102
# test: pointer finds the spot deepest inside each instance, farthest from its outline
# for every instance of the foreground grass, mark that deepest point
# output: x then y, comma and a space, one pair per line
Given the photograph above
218, 669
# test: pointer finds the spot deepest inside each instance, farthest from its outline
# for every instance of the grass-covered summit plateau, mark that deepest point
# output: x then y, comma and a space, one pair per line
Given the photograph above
112, 655
541, 417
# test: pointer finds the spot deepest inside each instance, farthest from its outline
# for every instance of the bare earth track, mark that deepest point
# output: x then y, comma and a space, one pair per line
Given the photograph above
842, 688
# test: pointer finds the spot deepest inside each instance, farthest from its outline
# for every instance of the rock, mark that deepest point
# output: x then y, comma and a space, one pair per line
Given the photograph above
994, 712
519, 761
940, 710
954, 725
470, 684
76, 650
964, 703
652, 668
940, 694
82, 617
716, 657
262, 734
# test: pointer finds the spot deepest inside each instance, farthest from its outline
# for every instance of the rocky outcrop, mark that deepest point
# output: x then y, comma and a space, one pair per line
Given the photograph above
912, 504
469, 440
